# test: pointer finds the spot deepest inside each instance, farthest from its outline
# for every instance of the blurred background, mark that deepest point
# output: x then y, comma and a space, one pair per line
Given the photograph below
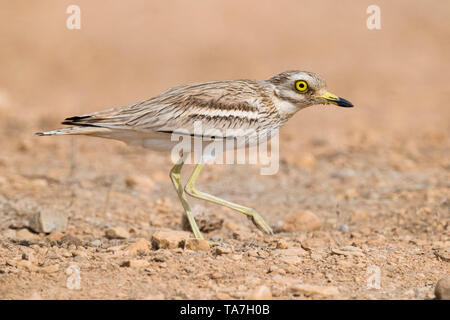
126, 52
396, 137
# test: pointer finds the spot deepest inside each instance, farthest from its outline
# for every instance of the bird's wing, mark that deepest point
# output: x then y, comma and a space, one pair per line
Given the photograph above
219, 105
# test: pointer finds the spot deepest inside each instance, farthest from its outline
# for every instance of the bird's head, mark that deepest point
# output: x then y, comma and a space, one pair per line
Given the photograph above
303, 89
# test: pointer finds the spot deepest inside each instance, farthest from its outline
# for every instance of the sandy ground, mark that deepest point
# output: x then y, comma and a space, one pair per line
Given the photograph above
376, 178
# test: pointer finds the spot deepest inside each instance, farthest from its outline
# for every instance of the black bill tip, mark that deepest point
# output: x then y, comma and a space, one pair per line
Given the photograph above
341, 102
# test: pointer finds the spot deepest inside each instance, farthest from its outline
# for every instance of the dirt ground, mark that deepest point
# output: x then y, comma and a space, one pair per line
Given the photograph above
376, 178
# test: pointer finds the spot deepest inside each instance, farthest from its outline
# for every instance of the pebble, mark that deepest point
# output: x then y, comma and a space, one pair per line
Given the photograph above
220, 250
282, 244
442, 289
291, 260
160, 258
115, 249
49, 269
48, 220
117, 233
143, 182
301, 221
348, 251
292, 252
313, 290
169, 239
206, 221
9, 234
140, 247
261, 293
79, 253
189, 269
236, 257
26, 264
276, 270
216, 275
443, 254
95, 243
196, 244
26, 235
135, 263
70, 240
55, 236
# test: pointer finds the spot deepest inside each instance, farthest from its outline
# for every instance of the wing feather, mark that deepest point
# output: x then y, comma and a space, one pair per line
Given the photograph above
217, 105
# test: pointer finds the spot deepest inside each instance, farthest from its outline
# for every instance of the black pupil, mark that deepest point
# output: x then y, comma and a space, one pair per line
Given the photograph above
302, 85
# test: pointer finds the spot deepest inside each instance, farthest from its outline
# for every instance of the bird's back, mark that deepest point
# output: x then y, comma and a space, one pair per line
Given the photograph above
224, 108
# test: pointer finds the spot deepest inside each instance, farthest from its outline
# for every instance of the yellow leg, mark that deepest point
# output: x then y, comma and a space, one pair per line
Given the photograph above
192, 191
176, 180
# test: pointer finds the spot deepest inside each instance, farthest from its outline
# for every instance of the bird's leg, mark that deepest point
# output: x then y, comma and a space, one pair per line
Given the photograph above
176, 180
192, 191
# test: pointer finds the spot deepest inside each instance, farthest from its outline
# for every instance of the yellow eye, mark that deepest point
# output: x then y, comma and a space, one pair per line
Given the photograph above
301, 85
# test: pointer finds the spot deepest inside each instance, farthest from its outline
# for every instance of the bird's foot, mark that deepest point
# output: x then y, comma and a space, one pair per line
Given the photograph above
259, 222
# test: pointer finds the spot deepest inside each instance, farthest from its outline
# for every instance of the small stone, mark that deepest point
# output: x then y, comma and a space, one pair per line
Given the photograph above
160, 258
220, 250
140, 247
9, 234
95, 243
189, 269
135, 264
26, 264
49, 269
289, 252
169, 239
216, 275
301, 221
11, 262
70, 240
55, 236
343, 228
117, 233
236, 257
443, 254
65, 253
26, 235
276, 270
206, 221
115, 249
291, 260
348, 251
313, 290
142, 182
261, 293
282, 244
48, 220
39, 183
79, 253
196, 244
442, 289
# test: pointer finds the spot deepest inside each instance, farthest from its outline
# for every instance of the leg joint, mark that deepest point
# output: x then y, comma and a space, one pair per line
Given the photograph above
190, 189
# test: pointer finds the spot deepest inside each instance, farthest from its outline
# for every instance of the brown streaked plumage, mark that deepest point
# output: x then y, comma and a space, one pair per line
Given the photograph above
255, 107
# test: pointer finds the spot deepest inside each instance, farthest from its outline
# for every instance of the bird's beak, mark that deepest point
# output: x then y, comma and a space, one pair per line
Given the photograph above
333, 99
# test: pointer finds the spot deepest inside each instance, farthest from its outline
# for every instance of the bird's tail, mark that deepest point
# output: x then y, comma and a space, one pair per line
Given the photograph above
73, 131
